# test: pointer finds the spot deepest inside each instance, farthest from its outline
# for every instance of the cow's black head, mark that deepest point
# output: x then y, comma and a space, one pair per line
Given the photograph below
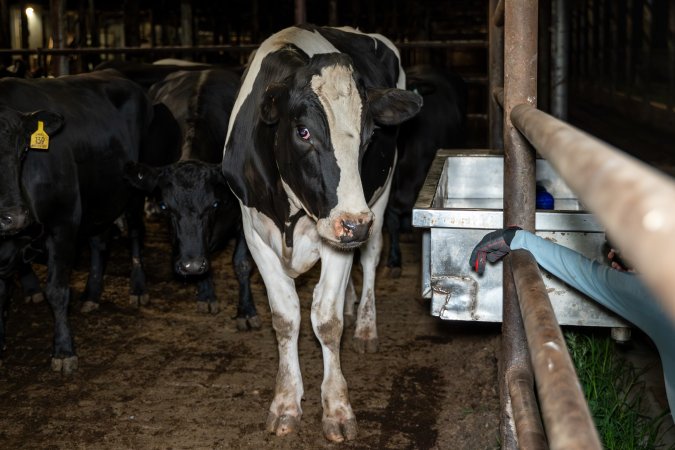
196, 197
15, 132
324, 118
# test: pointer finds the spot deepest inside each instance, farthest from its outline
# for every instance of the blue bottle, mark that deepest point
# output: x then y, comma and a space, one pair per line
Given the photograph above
544, 199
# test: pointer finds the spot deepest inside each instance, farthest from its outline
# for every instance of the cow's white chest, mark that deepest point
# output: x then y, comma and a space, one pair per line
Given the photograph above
295, 260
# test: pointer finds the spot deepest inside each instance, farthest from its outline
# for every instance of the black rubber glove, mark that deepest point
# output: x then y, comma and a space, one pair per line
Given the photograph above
491, 248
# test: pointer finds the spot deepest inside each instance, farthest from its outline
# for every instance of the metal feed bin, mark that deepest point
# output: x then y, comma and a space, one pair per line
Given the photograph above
459, 203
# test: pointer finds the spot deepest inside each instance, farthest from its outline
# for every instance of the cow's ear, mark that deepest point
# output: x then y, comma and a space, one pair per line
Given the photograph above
269, 108
141, 176
393, 106
51, 122
216, 171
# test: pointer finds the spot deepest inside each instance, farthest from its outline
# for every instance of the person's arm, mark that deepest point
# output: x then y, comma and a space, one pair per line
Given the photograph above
614, 289
622, 292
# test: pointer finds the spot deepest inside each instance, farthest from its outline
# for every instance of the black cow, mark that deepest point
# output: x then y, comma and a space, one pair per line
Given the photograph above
74, 188
204, 213
310, 152
147, 74
440, 124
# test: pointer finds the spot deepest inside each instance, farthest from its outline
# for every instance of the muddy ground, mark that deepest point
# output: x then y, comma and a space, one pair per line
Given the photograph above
168, 377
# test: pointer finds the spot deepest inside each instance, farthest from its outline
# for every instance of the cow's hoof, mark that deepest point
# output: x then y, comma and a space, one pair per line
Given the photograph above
208, 307
282, 425
89, 306
254, 322
336, 431
349, 320
37, 297
365, 345
248, 323
242, 324
65, 365
393, 272
139, 300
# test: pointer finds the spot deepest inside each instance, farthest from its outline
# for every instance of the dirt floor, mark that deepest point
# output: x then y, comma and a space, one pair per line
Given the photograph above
167, 377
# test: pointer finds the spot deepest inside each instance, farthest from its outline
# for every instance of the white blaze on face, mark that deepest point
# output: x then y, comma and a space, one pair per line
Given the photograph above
341, 101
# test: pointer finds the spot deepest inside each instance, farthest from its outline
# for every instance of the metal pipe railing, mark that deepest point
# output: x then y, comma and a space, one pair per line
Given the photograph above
495, 79
633, 201
566, 416
561, 56
520, 85
457, 43
129, 50
519, 379
498, 18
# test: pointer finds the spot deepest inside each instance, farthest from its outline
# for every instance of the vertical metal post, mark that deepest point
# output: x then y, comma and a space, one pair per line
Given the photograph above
496, 78
300, 12
58, 14
544, 78
560, 66
186, 27
132, 29
671, 60
647, 47
520, 86
333, 13
5, 39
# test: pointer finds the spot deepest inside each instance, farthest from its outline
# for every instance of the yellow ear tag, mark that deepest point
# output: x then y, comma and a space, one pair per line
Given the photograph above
39, 139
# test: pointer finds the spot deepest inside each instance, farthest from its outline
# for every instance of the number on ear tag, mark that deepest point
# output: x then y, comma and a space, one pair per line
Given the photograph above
39, 140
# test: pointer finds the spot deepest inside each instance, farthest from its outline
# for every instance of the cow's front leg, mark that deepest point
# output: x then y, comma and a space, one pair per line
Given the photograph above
138, 295
61, 255
247, 315
394, 228
5, 294
30, 284
285, 411
339, 422
206, 295
91, 297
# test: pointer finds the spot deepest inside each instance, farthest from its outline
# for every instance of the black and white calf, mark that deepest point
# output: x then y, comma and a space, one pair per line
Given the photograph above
310, 152
440, 124
204, 213
63, 170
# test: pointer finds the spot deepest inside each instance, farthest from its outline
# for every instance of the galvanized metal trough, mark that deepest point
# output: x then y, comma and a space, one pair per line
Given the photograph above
459, 203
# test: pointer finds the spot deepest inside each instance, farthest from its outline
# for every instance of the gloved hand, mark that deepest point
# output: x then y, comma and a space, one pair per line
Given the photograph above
492, 247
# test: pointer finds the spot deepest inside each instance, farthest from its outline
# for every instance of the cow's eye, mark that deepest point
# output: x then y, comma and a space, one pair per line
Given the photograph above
215, 204
163, 206
303, 133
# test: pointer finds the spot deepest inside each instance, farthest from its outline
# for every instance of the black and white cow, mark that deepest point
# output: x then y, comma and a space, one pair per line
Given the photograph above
204, 213
74, 188
310, 154
440, 124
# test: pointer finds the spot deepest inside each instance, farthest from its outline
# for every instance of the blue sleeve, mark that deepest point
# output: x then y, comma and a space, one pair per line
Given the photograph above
622, 292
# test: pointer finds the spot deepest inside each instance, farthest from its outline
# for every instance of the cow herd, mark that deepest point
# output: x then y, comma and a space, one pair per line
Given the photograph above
293, 161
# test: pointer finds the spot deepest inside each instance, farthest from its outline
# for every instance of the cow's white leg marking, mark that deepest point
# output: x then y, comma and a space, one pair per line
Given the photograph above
365, 334
285, 411
339, 422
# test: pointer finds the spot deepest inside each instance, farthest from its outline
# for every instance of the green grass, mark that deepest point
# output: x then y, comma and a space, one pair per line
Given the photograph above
615, 394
